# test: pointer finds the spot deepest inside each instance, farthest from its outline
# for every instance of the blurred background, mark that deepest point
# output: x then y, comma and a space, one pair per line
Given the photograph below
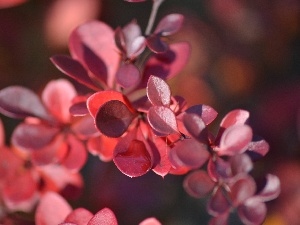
245, 54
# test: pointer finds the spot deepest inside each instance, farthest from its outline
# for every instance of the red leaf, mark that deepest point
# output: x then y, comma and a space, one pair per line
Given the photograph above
234, 117
242, 189
96, 100
20, 102
79, 109
104, 217
33, 136
128, 75
84, 128
189, 153
52, 209
158, 91
131, 156
235, 140
113, 118
198, 184
79, 216
271, 190
196, 127
218, 204
169, 25
150, 221
156, 45
73, 69
162, 120
93, 45
57, 97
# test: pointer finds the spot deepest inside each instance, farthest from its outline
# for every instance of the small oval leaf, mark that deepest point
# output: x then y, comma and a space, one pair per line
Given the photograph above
158, 91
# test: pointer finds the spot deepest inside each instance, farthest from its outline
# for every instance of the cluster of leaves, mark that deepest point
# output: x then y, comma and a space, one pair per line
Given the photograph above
130, 117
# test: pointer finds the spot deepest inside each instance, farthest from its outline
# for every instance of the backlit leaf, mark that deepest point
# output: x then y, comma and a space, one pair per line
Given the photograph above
104, 217
79, 216
207, 113
252, 212
158, 91
169, 24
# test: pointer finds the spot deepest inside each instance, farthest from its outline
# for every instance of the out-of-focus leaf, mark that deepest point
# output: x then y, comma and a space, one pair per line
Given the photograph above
240, 164
33, 136
150, 221
76, 156
113, 118
73, 69
9, 163
52, 209
93, 43
189, 153
128, 75
156, 45
131, 156
20, 102
158, 91
169, 25
271, 189
218, 204
104, 217
219, 220
252, 212
84, 128
167, 64
257, 148
242, 189
135, 0
207, 113
235, 140
198, 184
162, 120
79, 109
218, 169
79, 216
11, 3
57, 97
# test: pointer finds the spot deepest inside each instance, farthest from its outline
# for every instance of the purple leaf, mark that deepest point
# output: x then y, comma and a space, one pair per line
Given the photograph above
167, 64
234, 117
20, 102
252, 212
73, 69
196, 127
218, 169
169, 25
136, 47
156, 45
158, 91
113, 118
207, 113
220, 219
162, 120
218, 203
189, 153
240, 164
198, 184
131, 156
33, 136
93, 43
79, 109
120, 40
128, 75
242, 189
235, 140
271, 190
258, 148
79, 216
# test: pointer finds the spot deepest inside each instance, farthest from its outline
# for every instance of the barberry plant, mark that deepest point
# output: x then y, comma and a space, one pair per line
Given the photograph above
128, 116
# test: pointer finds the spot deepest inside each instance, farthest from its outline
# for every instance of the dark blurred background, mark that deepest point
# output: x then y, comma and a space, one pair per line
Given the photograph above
245, 54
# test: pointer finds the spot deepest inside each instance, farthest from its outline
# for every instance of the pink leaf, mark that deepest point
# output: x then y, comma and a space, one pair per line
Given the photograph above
189, 153
198, 184
156, 45
207, 113
79, 109
242, 189
128, 75
76, 156
33, 136
52, 209
235, 140
252, 212
73, 69
131, 156
84, 128
150, 221
240, 164
20, 102
104, 217
93, 45
79, 216
271, 190
158, 91
162, 120
113, 118
234, 117
57, 97
258, 148
167, 64
137, 47
169, 25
